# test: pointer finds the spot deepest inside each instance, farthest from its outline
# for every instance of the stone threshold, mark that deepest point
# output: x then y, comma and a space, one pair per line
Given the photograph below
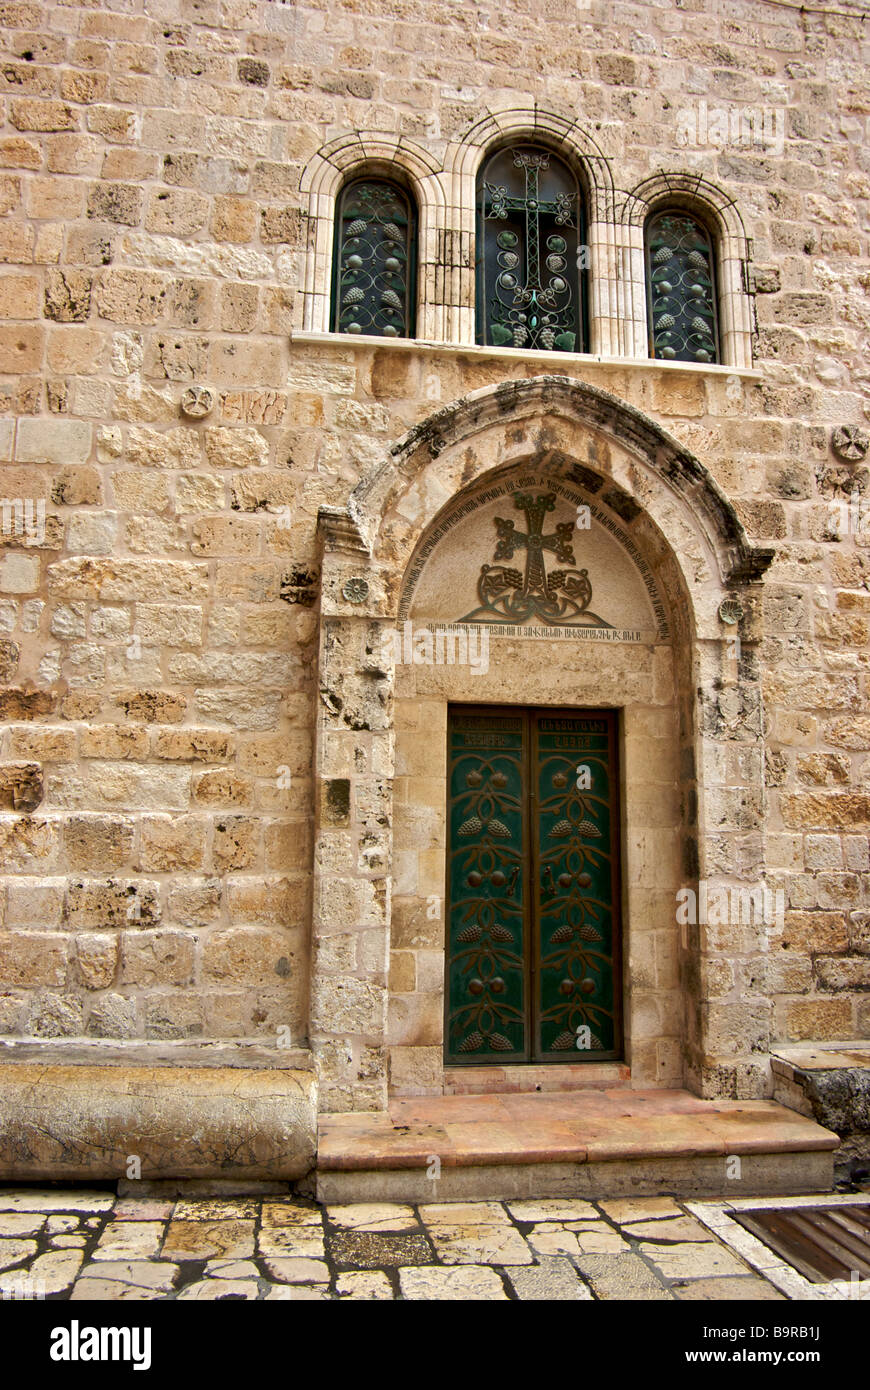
607, 1142
307, 338
459, 1081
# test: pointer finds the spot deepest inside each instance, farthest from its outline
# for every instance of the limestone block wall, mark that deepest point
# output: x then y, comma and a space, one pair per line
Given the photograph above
158, 634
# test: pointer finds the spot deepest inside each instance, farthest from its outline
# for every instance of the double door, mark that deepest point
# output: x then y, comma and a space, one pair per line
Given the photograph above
533, 887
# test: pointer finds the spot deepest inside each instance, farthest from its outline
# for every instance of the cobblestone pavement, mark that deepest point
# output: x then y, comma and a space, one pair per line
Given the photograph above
94, 1245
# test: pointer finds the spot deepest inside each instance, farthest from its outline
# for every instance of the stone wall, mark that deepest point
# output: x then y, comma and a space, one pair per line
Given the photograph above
159, 634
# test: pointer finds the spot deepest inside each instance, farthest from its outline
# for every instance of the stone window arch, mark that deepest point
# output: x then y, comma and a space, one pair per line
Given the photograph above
717, 218
363, 156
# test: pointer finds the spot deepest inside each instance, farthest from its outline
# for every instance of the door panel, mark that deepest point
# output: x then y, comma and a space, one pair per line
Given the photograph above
574, 833
532, 968
487, 864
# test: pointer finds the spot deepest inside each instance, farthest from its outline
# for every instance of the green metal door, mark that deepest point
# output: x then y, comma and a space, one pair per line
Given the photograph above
532, 971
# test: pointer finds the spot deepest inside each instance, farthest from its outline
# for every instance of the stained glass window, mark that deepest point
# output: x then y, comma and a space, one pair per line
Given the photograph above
530, 252
681, 289
374, 272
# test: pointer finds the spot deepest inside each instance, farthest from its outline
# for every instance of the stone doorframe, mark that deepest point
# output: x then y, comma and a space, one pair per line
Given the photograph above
366, 550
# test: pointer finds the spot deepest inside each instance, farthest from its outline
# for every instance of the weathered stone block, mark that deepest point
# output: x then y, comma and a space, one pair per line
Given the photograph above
68, 1121
96, 959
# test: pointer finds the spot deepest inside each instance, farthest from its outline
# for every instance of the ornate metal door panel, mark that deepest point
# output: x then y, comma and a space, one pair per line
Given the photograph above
487, 887
576, 881
532, 887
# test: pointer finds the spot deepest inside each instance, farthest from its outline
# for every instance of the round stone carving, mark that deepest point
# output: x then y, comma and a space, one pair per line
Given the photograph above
849, 443
356, 590
197, 401
730, 611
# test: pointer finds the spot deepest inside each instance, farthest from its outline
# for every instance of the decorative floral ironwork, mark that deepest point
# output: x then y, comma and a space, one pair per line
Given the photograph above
576, 960
681, 289
374, 269
510, 595
529, 287
486, 984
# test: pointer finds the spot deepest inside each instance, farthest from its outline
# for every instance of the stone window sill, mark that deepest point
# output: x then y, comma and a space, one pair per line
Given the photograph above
549, 359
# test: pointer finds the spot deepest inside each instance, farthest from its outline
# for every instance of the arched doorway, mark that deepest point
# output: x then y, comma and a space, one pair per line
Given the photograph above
452, 534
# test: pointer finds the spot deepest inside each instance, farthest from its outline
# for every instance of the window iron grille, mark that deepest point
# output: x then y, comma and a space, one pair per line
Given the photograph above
681, 289
374, 274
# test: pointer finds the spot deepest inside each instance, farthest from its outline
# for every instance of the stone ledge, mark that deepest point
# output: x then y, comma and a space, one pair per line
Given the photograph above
309, 338
111, 1053
76, 1117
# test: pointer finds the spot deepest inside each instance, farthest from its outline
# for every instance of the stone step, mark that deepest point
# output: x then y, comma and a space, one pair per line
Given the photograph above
604, 1143
830, 1081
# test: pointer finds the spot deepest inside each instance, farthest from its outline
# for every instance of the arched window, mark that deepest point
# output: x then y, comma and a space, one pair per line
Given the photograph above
681, 288
530, 250
373, 283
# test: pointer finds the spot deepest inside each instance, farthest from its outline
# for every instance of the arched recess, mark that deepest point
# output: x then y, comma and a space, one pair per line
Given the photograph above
676, 523
573, 143
718, 210
351, 156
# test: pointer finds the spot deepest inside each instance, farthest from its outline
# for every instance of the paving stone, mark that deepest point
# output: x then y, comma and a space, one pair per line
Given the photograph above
297, 1271
130, 1240
675, 1228
552, 1278
124, 1280
23, 1223
496, 1245
307, 1293
556, 1238
553, 1209
231, 1269
290, 1214
727, 1289
54, 1225
142, 1209
622, 1277
692, 1261
456, 1283
462, 1213
216, 1289
623, 1209
216, 1209
13, 1251
374, 1216
68, 1242
366, 1248
296, 1239
204, 1240
55, 1201
370, 1284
